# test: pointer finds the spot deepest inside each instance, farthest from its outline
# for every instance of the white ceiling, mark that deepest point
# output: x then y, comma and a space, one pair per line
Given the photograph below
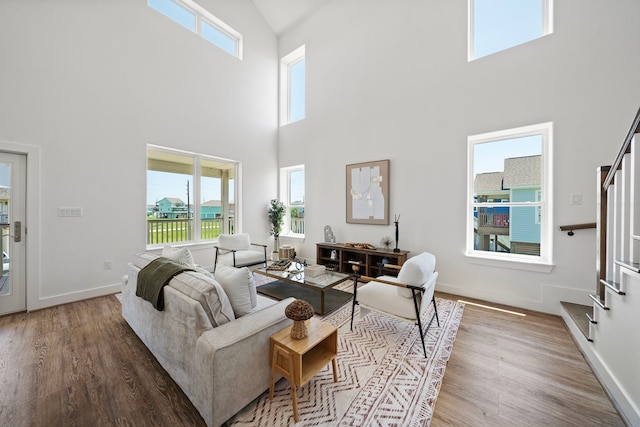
283, 14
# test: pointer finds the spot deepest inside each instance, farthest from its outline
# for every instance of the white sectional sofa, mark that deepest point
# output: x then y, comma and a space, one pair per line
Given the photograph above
221, 362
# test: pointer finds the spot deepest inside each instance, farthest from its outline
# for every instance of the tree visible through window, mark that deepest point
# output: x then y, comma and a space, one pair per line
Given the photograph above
292, 179
190, 197
508, 195
496, 25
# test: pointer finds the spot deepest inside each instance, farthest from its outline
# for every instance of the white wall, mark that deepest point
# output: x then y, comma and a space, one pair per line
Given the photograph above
90, 83
390, 80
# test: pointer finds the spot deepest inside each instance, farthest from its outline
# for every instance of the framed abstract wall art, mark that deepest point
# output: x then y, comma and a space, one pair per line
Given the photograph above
368, 193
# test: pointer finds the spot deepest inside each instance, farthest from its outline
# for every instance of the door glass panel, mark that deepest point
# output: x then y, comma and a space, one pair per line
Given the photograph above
5, 199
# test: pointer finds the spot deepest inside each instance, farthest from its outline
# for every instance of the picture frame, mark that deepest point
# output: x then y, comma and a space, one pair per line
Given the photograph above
367, 193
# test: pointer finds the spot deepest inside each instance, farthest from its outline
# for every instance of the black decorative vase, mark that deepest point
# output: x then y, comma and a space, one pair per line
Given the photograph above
396, 249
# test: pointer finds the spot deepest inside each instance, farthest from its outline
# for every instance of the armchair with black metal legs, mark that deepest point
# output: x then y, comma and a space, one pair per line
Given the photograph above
406, 297
237, 250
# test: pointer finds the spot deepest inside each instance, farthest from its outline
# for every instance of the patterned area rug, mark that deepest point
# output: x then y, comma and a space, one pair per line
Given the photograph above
384, 378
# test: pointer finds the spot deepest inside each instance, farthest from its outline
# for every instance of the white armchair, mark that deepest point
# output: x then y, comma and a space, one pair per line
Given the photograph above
237, 250
405, 297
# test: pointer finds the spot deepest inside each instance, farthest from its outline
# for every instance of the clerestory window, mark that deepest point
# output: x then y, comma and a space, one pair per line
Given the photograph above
195, 18
292, 86
509, 212
496, 25
190, 197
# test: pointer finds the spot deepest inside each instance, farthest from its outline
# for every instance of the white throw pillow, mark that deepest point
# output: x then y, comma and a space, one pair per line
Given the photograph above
239, 286
181, 255
208, 293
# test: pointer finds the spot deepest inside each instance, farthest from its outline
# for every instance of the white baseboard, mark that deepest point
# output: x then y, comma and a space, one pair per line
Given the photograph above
77, 296
629, 412
549, 301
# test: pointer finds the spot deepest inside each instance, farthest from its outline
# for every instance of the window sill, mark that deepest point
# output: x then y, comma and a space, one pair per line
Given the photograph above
292, 236
516, 263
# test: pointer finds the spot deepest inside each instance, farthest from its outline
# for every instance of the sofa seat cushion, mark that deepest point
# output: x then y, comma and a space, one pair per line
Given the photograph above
242, 258
240, 287
208, 293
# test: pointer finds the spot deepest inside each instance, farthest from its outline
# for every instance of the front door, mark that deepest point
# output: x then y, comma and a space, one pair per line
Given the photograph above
13, 173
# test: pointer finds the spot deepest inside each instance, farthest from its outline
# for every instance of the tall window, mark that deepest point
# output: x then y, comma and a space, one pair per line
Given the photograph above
197, 19
509, 194
292, 182
496, 25
292, 86
190, 197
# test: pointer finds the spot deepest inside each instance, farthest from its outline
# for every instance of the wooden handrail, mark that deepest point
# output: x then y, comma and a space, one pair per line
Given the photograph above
626, 148
570, 228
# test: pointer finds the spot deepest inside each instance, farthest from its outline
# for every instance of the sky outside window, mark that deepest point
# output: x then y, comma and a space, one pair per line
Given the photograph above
501, 24
175, 12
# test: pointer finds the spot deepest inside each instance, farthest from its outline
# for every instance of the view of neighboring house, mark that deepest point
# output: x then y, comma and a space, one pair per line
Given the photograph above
174, 208
211, 209
171, 208
515, 229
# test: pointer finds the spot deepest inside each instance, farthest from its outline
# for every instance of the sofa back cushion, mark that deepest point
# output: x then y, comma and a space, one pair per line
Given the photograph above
208, 293
236, 242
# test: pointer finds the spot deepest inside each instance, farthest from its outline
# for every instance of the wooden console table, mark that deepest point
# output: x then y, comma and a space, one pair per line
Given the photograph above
369, 260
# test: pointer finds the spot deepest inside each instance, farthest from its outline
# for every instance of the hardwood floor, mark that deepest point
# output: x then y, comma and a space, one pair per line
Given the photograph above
81, 365
512, 370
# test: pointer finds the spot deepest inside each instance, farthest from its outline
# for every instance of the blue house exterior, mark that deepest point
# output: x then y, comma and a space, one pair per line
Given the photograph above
171, 208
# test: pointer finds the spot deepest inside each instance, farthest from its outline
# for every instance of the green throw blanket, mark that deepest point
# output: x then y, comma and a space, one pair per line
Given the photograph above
155, 276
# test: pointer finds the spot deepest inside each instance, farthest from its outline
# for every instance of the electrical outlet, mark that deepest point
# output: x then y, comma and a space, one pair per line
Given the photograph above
108, 264
70, 212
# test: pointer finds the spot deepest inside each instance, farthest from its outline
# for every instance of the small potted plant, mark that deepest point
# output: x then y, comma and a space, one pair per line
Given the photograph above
386, 242
276, 219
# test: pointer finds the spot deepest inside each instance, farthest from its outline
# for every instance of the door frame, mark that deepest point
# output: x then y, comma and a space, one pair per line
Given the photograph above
32, 219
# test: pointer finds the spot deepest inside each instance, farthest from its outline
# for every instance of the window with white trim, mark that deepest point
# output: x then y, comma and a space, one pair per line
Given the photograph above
292, 86
509, 198
190, 197
195, 18
292, 191
496, 25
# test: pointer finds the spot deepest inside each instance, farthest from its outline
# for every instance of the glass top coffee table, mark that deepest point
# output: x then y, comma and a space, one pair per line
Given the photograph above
317, 290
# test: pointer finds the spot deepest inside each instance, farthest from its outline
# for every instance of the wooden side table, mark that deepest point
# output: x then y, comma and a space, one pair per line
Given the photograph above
300, 360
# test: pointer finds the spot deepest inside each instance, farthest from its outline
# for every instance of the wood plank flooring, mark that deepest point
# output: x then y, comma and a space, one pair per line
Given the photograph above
511, 370
81, 365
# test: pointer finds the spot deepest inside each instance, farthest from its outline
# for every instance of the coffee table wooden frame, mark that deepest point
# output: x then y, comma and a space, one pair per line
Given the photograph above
297, 277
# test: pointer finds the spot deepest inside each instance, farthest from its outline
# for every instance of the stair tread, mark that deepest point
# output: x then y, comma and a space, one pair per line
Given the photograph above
578, 313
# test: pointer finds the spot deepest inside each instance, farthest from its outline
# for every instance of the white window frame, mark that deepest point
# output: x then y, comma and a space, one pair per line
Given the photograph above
547, 27
285, 192
197, 159
544, 262
285, 83
204, 16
